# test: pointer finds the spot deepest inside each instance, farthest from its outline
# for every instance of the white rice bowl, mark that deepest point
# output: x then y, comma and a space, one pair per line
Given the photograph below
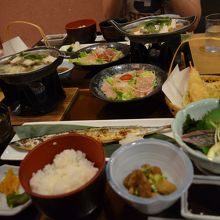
70, 170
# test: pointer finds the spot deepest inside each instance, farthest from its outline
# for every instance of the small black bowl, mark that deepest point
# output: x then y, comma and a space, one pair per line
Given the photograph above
97, 81
109, 32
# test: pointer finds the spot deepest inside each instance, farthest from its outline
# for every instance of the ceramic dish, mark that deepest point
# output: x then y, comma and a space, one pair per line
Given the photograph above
55, 39
131, 156
155, 37
124, 48
97, 81
4, 209
203, 191
196, 110
65, 69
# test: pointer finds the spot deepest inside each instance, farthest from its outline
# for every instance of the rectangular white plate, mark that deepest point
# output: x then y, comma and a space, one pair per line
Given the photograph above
13, 154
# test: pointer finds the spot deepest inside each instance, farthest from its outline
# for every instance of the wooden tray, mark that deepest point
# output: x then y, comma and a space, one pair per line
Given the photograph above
59, 114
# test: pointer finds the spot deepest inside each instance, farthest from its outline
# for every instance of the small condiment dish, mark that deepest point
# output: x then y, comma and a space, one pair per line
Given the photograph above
174, 163
65, 69
197, 203
4, 209
55, 40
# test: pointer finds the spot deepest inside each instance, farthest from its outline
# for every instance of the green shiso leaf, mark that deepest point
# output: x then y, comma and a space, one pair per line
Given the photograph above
211, 120
205, 150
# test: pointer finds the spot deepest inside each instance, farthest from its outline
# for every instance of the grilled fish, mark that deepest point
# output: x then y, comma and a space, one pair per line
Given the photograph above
102, 134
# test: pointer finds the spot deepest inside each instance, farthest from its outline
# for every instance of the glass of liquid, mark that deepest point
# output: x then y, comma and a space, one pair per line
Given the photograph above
212, 30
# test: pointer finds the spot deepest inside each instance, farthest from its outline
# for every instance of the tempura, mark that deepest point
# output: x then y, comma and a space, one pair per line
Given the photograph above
197, 88
201, 88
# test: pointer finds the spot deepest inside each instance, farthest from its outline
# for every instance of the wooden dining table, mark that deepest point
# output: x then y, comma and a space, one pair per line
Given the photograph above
88, 107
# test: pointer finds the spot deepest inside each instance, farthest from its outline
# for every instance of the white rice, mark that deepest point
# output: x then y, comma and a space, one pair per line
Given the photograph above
70, 170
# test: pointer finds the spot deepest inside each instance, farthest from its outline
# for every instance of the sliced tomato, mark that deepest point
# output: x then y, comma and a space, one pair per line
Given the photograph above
126, 77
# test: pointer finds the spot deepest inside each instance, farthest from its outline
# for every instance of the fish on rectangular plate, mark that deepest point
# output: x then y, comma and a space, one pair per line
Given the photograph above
103, 134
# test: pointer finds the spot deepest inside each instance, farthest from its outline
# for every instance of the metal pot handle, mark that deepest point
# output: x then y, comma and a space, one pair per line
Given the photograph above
43, 35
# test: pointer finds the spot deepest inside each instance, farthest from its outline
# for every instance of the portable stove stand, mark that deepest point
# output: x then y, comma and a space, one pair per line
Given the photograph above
34, 97
159, 54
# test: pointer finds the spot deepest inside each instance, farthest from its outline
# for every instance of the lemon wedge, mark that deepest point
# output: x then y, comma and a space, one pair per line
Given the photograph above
214, 152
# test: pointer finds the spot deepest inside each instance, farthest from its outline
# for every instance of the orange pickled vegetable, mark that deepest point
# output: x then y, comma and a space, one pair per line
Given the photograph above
10, 183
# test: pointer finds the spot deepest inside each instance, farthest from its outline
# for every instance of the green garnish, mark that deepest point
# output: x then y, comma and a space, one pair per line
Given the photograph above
205, 150
83, 54
32, 56
146, 171
69, 49
151, 25
14, 199
203, 133
211, 120
101, 61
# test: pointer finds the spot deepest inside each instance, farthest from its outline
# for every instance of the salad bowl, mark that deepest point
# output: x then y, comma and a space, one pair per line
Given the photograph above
182, 24
123, 86
121, 51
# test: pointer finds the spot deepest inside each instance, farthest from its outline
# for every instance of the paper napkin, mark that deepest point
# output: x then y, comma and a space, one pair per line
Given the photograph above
176, 85
14, 45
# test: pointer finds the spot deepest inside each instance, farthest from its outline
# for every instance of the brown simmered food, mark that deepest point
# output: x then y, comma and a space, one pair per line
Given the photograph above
62, 69
148, 181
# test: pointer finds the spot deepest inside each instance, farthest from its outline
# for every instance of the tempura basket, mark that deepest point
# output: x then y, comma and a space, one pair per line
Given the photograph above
207, 78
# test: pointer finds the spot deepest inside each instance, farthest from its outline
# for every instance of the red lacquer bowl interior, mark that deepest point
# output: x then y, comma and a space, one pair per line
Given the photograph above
80, 23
